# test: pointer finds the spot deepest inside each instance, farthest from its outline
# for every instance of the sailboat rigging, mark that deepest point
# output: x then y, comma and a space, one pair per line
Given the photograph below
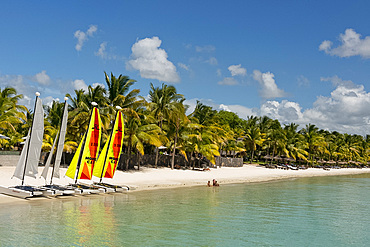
57, 189
82, 164
30, 156
108, 160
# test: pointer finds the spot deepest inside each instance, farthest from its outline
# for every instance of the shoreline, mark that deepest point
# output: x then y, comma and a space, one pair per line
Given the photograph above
165, 178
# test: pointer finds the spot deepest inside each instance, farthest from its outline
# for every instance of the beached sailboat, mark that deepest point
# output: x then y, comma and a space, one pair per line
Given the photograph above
30, 156
58, 189
83, 162
108, 159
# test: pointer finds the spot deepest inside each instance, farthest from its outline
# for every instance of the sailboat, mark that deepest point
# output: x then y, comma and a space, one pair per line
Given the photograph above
30, 156
82, 164
108, 160
58, 189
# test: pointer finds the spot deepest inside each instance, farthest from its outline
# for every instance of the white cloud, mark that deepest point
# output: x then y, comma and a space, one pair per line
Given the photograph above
42, 78
269, 89
236, 70
240, 110
346, 109
303, 81
206, 48
229, 81
351, 45
104, 54
152, 61
101, 52
325, 45
336, 81
82, 37
218, 72
49, 100
183, 66
285, 111
212, 61
94, 85
79, 84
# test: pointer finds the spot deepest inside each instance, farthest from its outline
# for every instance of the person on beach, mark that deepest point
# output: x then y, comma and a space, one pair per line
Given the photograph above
215, 183
209, 184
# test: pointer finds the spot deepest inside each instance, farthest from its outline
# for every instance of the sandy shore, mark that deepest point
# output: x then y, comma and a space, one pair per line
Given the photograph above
150, 178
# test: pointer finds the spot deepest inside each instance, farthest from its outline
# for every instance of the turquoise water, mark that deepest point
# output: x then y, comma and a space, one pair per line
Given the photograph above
326, 211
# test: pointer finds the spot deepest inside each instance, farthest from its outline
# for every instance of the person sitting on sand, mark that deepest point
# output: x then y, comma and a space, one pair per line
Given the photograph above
209, 184
215, 183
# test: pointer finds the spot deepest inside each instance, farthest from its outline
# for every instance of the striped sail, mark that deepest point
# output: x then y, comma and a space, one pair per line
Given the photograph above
30, 156
109, 157
83, 162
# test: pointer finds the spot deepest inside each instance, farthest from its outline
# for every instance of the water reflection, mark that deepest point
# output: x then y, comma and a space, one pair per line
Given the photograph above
285, 213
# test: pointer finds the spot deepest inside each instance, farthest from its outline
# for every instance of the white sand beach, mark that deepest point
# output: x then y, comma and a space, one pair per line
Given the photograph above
150, 178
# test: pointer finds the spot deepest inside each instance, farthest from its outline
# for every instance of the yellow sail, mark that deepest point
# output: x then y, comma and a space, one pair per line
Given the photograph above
87, 152
109, 157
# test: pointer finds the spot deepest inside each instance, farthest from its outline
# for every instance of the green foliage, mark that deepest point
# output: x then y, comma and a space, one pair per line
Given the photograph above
162, 121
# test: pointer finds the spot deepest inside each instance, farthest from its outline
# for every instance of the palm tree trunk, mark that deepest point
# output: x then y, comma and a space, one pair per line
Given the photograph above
138, 160
128, 156
173, 153
252, 156
156, 149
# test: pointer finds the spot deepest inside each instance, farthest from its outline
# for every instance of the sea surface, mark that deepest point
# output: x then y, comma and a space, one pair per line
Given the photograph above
319, 211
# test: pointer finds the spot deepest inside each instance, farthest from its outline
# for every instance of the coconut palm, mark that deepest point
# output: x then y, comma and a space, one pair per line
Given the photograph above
119, 93
10, 112
252, 138
295, 143
276, 139
203, 114
176, 120
313, 140
137, 133
162, 102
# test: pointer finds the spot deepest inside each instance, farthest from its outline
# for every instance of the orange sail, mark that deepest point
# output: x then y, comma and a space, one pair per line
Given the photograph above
83, 162
109, 157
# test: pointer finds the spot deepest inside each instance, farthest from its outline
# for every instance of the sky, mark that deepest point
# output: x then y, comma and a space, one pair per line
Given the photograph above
295, 61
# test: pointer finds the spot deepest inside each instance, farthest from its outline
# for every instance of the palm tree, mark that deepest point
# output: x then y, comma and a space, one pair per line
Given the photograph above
295, 143
119, 94
313, 140
138, 133
252, 138
10, 112
177, 119
162, 101
204, 114
276, 139
80, 110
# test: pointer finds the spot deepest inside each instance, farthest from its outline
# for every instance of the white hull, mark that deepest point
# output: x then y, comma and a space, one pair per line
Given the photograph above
106, 189
112, 188
84, 189
18, 192
58, 190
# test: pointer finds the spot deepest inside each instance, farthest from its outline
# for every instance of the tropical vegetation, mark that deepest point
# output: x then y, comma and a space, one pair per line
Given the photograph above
162, 121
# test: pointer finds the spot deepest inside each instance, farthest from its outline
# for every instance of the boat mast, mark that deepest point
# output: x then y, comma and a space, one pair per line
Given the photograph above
30, 134
65, 103
83, 144
110, 138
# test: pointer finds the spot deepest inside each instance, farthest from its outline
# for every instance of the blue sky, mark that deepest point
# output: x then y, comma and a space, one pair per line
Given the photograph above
296, 61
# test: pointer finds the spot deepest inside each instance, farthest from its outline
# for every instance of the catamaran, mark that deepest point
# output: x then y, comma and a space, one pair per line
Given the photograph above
82, 164
30, 156
58, 189
109, 157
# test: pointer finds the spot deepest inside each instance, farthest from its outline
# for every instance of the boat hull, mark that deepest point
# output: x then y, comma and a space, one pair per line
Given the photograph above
11, 191
115, 188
